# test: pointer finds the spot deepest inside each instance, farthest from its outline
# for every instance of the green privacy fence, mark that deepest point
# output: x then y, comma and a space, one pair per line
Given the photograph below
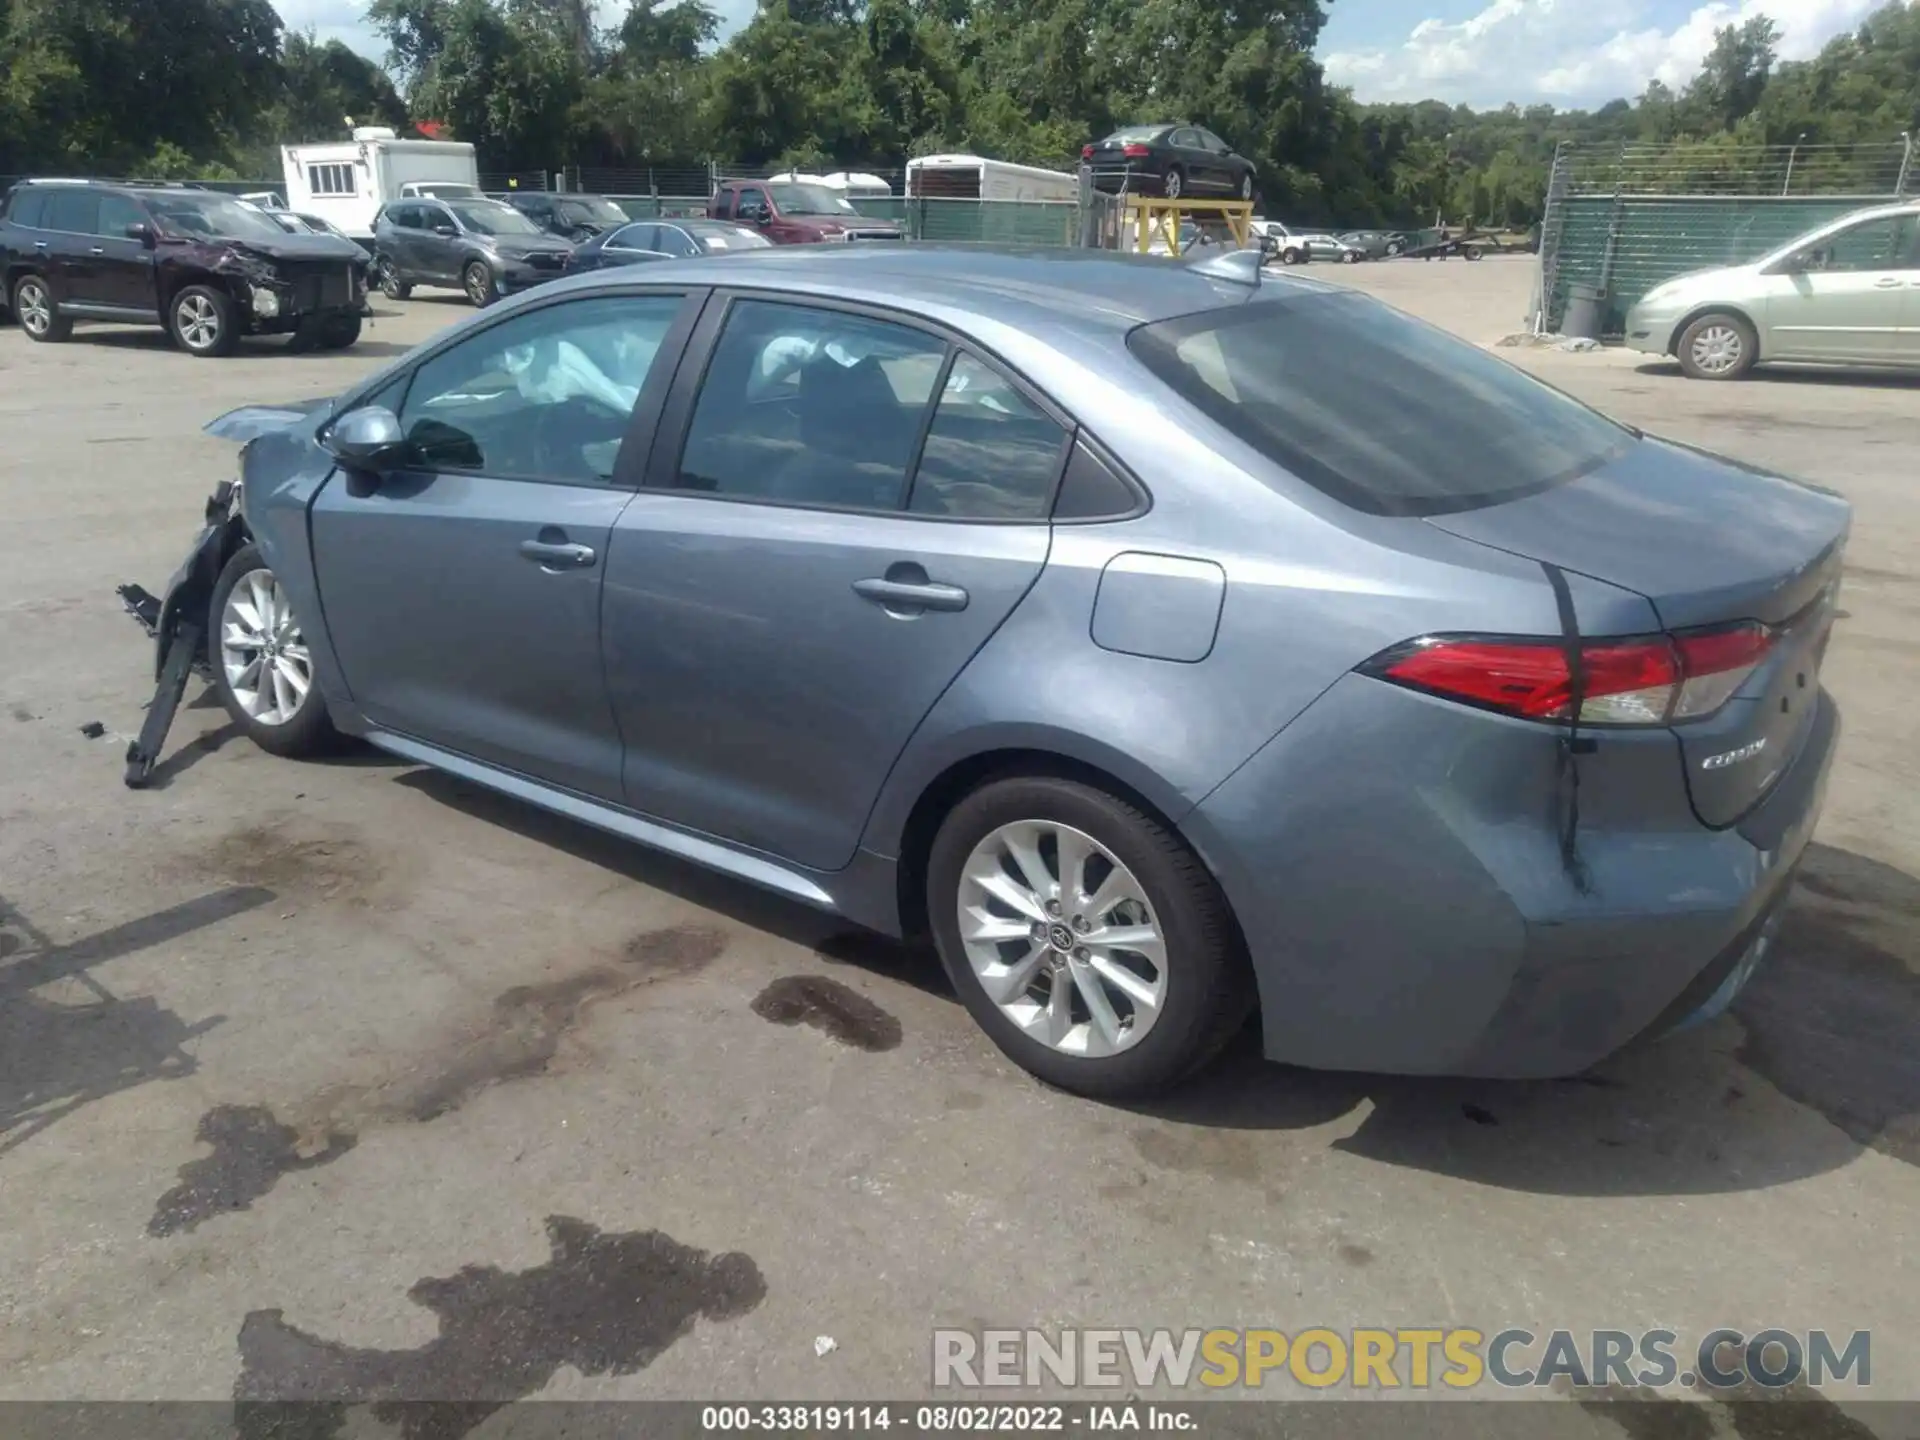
1622, 219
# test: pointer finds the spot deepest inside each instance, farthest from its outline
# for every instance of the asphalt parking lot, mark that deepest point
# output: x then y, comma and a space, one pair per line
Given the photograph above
350, 1071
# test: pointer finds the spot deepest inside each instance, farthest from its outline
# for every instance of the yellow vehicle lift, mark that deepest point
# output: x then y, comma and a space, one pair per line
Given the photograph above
1149, 215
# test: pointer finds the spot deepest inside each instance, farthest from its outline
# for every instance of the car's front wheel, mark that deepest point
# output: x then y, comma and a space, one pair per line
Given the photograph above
1084, 937
391, 285
1718, 346
262, 665
1175, 184
1246, 187
202, 321
1349, 257
477, 280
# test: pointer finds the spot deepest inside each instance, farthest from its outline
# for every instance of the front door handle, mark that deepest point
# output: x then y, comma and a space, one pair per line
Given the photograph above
913, 595
557, 555
98, 250
1888, 282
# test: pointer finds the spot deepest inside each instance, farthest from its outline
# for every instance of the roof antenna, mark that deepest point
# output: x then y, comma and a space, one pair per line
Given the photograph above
1241, 267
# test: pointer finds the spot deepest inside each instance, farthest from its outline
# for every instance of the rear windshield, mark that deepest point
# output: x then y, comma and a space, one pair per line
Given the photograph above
1382, 412
1136, 134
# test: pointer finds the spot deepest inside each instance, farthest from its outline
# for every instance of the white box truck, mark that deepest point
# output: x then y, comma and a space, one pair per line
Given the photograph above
345, 182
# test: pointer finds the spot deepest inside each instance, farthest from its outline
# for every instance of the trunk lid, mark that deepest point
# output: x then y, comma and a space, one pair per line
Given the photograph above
1708, 542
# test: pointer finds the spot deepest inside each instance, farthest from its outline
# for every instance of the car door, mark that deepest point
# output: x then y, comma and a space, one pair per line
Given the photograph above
439, 242
1844, 301
675, 243
127, 278
394, 233
1223, 171
463, 592
1906, 340
802, 577
633, 244
69, 242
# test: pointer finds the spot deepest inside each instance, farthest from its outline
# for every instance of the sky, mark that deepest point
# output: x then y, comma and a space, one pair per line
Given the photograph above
1485, 53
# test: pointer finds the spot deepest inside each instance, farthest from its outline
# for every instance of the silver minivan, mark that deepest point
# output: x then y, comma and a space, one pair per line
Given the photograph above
1845, 293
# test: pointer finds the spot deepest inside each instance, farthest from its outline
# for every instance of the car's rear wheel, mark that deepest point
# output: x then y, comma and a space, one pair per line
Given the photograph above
1474, 252
1394, 247
1349, 257
262, 665
340, 332
477, 281
1718, 346
202, 322
1293, 256
391, 285
34, 308
1084, 937
1246, 187
1176, 183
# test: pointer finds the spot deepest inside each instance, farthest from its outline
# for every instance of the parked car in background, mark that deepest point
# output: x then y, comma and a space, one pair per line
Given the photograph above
206, 267
306, 225
647, 240
1265, 671
1844, 293
1375, 244
1297, 247
482, 247
573, 217
790, 212
1177, 161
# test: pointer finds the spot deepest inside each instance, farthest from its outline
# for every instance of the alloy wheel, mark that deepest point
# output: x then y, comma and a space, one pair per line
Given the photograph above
477, 285
36, 309
1062, 938
199, 322
1717, 349
265, 657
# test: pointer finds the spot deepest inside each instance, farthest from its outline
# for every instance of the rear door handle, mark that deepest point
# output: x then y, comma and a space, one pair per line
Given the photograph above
98, 250
911, 595
1888, 282
553, 555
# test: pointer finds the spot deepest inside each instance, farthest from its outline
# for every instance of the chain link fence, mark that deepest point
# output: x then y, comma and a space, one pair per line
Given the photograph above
1620, 219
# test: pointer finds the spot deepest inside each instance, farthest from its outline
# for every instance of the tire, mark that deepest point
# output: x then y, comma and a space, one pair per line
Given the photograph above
391, 285
1175, 185
201, 321
292, 730
1719, 345
1291, 256
341, 332
1246, 187
1201, 980
34, 311
1394, 247
1349, 257
1473, 252
477, 280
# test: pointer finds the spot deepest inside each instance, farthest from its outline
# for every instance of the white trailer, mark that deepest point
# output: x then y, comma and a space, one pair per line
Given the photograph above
974, 177
345, 182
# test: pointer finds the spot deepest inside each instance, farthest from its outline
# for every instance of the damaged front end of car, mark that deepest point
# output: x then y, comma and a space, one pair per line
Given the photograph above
178, 618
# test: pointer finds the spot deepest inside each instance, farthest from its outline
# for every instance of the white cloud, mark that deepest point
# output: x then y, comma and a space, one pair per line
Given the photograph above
1571, 52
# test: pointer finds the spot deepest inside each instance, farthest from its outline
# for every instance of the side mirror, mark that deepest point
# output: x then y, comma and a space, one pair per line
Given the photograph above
142, 232
442, 228
369, 440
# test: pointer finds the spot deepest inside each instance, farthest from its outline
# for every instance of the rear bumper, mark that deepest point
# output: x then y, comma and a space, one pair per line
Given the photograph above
1401, 889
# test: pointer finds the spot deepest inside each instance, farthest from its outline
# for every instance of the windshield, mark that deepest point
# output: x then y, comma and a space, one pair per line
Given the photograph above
728, 237
594, 211
1382, 412
791, 198
443, 190
490, 217
219, 217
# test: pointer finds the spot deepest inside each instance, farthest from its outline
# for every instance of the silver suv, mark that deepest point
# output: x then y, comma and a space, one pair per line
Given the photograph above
1845, 293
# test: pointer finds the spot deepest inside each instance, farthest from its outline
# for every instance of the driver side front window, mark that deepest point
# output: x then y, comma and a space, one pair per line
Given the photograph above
1883, 244
543, 396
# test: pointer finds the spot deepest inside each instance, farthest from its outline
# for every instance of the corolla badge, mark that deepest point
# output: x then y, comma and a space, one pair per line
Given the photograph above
1734, 757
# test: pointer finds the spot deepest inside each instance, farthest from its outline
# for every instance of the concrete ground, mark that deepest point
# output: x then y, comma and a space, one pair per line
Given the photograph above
348, 1079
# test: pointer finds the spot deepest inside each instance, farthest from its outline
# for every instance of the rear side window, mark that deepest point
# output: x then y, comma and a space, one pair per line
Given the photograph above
723, 203
75, 211
990, 453
1382, 412
27, 208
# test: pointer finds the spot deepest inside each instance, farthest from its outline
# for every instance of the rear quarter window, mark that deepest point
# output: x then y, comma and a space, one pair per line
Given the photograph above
1380, 411
27, 208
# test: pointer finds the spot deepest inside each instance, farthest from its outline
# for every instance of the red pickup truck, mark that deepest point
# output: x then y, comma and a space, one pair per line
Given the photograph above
796, 212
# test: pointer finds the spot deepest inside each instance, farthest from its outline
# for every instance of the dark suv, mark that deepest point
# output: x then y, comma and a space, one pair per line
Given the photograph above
204, 266
480, 246
572, 217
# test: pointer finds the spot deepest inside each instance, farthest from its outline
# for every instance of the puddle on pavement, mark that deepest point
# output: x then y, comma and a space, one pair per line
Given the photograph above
603, 1304
833, 1009
253, 1148
1750, 1412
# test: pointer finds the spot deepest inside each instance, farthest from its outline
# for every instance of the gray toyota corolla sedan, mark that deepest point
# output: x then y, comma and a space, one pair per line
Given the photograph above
1165, 640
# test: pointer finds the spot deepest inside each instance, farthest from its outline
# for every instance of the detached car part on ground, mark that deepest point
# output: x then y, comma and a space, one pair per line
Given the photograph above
208, 268
1312, 659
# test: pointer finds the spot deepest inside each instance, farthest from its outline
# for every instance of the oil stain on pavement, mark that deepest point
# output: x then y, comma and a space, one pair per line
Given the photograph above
602, 1304
253, 1148
1830, 1019
833, 1009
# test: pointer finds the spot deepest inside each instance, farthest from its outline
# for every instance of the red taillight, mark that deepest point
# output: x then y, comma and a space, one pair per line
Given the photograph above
1136, 152
1650, 680
1086, 152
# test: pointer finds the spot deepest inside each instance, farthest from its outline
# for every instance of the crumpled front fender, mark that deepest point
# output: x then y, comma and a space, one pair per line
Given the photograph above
250, 422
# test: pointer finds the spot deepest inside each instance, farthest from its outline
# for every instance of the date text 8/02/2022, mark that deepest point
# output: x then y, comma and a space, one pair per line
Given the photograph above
972, 1418
1364, 1358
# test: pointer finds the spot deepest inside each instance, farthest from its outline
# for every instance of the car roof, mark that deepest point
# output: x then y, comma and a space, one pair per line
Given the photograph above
1092, 290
